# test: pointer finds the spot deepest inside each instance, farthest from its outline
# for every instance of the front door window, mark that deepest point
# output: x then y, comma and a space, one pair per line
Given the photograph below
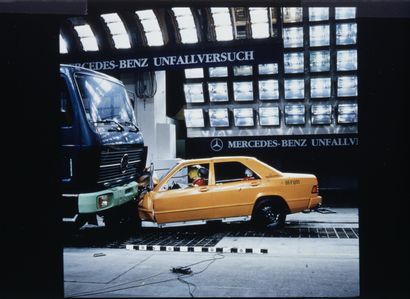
188, 177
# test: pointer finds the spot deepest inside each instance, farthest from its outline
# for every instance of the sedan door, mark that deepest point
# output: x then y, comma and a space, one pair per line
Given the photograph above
234, 191
178, 199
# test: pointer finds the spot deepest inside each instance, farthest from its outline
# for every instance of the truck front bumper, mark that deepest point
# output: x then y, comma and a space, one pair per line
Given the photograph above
91, 202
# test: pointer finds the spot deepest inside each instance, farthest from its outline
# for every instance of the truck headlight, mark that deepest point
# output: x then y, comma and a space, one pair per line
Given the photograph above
103, 201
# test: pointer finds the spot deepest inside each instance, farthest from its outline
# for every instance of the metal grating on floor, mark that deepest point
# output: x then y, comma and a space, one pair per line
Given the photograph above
203, 239
206, 237
307, 232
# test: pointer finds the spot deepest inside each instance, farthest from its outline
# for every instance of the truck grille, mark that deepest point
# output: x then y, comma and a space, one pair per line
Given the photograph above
113, 170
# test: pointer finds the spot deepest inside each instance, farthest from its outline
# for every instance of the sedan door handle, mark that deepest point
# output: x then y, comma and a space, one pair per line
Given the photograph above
255, 183
203, 189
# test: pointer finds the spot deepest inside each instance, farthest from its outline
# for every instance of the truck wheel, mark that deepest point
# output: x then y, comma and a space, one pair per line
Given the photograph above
123, 219
112, 221
269, 215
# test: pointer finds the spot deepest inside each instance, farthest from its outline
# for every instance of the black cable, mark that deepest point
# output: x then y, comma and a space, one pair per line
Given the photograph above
191, 293
121, 289
108, 288
203, 261
146, 86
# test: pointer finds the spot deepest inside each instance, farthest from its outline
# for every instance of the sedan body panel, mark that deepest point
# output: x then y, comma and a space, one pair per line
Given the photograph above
227, 192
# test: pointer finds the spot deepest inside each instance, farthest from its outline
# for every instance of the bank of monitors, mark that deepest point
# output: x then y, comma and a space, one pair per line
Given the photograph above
310, 88
320, 87
319, 61
194, 118
291, 115
318, 14
347, 86
243, 91
319, 35
347, 113
219, 117
242, 70
269, 116
294, 62
220, 71
346, 60
293, 37
268, 89
194, 73
295, 114
294, 89
292, 14
346, 33
194, 93
243, 117
218, 92
268, 69
321, 114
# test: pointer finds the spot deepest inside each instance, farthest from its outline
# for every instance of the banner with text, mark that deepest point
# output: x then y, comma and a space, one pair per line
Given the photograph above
238, 145
164, 59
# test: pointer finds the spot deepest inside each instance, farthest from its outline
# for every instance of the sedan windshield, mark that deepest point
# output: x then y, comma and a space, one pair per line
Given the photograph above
104, 99
168, 171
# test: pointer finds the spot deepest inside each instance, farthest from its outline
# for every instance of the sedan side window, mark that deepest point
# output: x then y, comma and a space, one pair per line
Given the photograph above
187, 177
226, 172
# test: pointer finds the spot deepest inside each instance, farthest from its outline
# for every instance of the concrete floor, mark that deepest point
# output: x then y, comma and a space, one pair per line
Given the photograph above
293, 267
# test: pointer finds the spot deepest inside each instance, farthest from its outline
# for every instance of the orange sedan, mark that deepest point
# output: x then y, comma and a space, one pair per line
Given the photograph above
230, 189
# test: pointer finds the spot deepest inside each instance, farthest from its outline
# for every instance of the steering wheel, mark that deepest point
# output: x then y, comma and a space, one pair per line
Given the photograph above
174, 186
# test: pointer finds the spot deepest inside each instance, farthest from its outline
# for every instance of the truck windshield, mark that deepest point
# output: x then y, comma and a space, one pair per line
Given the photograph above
104, 99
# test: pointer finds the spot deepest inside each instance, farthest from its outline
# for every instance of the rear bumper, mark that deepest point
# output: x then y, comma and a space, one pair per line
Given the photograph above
314, 202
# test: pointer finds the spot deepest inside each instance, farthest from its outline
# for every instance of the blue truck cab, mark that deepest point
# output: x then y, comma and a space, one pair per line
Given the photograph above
102, 149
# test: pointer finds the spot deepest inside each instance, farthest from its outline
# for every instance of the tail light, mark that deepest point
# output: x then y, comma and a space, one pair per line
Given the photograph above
315, 189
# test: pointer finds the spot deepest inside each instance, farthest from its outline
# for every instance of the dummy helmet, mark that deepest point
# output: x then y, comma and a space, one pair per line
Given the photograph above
248, 172
203, 172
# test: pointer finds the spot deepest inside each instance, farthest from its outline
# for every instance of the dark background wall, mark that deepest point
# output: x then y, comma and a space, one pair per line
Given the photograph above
384, 156
30, 221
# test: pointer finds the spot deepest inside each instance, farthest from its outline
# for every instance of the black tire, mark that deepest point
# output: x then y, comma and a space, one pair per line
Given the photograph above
123, 219
268, 214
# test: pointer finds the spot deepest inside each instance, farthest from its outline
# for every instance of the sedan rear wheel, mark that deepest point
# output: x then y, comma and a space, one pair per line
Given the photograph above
269, 215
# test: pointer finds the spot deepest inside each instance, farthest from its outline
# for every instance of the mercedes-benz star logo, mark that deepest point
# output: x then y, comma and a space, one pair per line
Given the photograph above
217, 144
124, 163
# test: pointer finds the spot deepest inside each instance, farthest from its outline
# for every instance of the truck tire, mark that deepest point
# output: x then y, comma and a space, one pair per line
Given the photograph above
268, 214
124, 218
